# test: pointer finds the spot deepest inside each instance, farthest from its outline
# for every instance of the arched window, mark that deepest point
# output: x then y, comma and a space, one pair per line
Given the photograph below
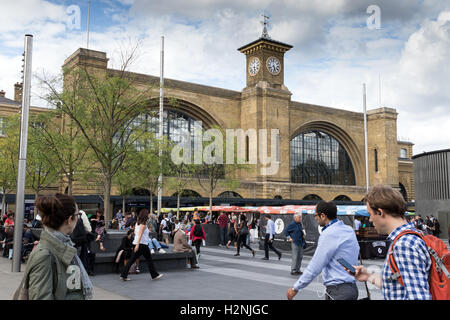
278, 197
140, 192
342, 198
313, 197
229, 194
318, 158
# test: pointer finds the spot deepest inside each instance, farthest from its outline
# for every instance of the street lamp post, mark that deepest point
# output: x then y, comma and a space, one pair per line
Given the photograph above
20, 194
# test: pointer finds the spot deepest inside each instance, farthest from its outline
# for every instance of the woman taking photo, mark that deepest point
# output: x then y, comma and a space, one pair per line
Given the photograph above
54, 270
141, 240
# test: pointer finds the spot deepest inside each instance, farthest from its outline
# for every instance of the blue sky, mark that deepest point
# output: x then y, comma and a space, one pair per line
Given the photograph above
334, 50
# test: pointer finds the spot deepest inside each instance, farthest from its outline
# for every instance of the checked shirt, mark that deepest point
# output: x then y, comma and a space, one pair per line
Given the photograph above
414, 263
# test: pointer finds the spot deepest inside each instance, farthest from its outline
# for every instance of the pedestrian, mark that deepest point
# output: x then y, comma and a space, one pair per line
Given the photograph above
436, 228
356, 225
242, 234
125, 249
294, 234
166, 228
79, 237
222, 221
336, 241
54, 271
268, 239
9, 222
98, 224
141, 240
232, 232
387, 207
180, 244
197, 235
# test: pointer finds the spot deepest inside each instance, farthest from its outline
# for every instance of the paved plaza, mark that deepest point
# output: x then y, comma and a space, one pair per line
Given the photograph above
221, 277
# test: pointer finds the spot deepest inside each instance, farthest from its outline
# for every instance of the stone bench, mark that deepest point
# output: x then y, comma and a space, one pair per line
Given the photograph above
104, 260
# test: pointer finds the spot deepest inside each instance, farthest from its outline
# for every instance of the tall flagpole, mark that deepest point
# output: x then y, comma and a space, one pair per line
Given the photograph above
23, 141
161, 122
88, 24
365, 137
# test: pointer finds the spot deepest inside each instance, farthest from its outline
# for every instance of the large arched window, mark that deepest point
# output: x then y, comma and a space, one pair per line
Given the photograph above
318, 158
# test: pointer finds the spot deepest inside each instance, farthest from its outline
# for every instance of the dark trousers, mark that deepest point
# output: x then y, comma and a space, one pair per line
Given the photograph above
145, 251
268, 244
83, 252
242, 241
223, 235
343, 291
197, 244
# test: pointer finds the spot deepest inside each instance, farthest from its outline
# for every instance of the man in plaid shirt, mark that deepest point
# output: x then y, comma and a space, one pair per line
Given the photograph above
387, 208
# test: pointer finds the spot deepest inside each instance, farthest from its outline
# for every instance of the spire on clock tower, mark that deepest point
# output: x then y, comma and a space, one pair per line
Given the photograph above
265, 59
265, 22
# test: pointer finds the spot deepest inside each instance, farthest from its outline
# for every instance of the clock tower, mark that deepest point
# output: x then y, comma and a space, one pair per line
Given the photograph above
265, 60
265, 106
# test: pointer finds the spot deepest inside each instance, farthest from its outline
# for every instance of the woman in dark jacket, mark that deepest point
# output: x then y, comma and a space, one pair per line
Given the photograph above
231, 231
125, 250
242, 236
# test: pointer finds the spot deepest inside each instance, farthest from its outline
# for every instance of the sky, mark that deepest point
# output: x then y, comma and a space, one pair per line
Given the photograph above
400, 49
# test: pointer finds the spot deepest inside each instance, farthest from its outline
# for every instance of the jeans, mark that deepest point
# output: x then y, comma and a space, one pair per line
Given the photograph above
297, 256
223, 235
154, 243
268, 245
343, 291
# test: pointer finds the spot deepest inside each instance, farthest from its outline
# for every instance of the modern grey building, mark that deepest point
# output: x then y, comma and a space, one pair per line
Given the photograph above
432, 186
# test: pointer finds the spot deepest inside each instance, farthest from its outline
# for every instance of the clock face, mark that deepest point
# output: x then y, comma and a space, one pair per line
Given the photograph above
273, 65
253, 67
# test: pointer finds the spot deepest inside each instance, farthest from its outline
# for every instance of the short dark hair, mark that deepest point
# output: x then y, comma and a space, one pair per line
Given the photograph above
386, 198
55, 209
268, 216
327, 208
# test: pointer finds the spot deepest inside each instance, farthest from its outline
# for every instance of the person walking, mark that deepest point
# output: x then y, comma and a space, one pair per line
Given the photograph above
232, 231
336, 241
387, 207
294, 234
54, 270
197, 235
222, 221
268, 239
141, 240
242, 235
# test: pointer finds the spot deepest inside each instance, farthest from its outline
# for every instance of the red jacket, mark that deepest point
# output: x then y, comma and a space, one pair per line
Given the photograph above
193, 237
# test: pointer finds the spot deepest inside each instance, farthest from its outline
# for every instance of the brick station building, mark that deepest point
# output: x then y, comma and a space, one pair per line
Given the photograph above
320, 149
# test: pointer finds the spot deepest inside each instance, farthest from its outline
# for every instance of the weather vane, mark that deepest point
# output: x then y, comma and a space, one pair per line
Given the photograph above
264, 23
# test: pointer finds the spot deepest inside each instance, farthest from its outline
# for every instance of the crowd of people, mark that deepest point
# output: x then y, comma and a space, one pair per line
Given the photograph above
68, 235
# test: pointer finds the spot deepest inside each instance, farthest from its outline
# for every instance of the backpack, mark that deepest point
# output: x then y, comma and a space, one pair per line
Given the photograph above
198, 232
439, 278
78, 235
169, 225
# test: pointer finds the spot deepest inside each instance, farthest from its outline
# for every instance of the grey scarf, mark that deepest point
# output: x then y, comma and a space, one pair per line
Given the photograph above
86, 283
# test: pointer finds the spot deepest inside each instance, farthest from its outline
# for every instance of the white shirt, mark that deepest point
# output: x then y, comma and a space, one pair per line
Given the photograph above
145, 239
163, 225
86, 223
357, 224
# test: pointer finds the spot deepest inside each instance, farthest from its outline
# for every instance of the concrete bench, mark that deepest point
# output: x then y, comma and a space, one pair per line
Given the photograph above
104, 260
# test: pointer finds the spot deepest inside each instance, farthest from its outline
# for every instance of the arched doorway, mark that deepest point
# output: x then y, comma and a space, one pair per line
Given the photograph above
229, 194
342, 198
140, 192
187, 193
403, 192
312, 197
278, 197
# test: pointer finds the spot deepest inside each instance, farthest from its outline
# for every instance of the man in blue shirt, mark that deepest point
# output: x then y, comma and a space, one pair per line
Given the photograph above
294, 234
336, 241
268, 239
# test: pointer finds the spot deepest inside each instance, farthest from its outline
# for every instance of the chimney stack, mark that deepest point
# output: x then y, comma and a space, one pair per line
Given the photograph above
2, 93
18, 92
